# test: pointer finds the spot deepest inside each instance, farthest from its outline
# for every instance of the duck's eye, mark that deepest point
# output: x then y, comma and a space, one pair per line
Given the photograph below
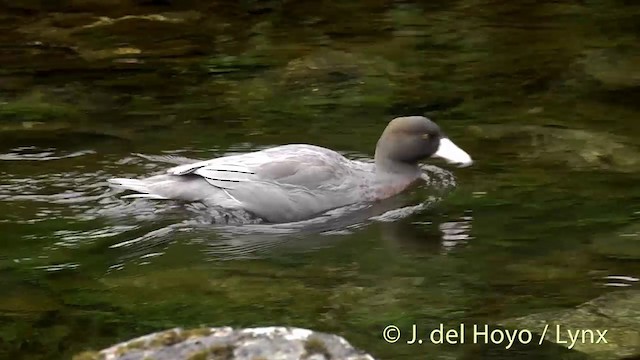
426, 136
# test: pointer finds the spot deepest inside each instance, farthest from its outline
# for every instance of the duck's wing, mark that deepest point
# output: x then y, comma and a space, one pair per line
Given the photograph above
217, 173
302, 166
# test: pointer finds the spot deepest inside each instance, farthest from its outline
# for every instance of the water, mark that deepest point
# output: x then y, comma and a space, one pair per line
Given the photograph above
543, 95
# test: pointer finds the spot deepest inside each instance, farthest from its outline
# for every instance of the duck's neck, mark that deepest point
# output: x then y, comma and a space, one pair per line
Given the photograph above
392, 168
389, 162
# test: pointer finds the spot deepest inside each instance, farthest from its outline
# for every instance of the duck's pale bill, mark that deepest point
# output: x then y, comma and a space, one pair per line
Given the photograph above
452, 153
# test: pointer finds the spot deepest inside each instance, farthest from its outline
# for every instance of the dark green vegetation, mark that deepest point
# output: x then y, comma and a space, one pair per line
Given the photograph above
543, 94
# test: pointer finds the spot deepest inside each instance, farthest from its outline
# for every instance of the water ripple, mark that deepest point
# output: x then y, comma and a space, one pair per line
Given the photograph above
33, 153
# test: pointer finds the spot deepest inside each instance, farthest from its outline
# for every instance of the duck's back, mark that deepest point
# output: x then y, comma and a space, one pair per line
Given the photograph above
285, 183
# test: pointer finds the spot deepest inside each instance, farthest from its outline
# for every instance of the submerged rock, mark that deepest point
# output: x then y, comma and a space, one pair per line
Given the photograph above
36, 113
617, 313
94, 38
322, 83
172, 18
283, 343
577, 149
328, 65
47, 113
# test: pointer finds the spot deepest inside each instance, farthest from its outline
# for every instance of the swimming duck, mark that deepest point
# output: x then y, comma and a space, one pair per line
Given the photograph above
294, 182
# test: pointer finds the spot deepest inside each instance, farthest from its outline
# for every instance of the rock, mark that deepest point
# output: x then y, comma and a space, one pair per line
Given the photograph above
578, 149
617, 312
226, 343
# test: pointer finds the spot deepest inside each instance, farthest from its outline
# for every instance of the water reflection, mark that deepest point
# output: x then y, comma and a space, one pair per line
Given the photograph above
427, 237
456, 233
620, 280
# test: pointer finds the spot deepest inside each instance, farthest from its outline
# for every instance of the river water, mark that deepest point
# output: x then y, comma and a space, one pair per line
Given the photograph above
544, 96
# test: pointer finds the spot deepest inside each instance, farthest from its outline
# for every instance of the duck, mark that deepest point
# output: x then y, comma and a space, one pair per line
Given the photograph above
294, 182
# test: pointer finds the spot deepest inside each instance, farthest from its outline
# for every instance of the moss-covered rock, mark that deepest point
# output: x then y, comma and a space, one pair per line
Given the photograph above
617, 313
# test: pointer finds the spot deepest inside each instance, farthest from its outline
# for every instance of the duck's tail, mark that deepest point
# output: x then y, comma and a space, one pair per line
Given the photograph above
139, 186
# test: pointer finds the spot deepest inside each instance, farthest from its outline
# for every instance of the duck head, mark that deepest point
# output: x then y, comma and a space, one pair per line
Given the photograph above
407, 140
